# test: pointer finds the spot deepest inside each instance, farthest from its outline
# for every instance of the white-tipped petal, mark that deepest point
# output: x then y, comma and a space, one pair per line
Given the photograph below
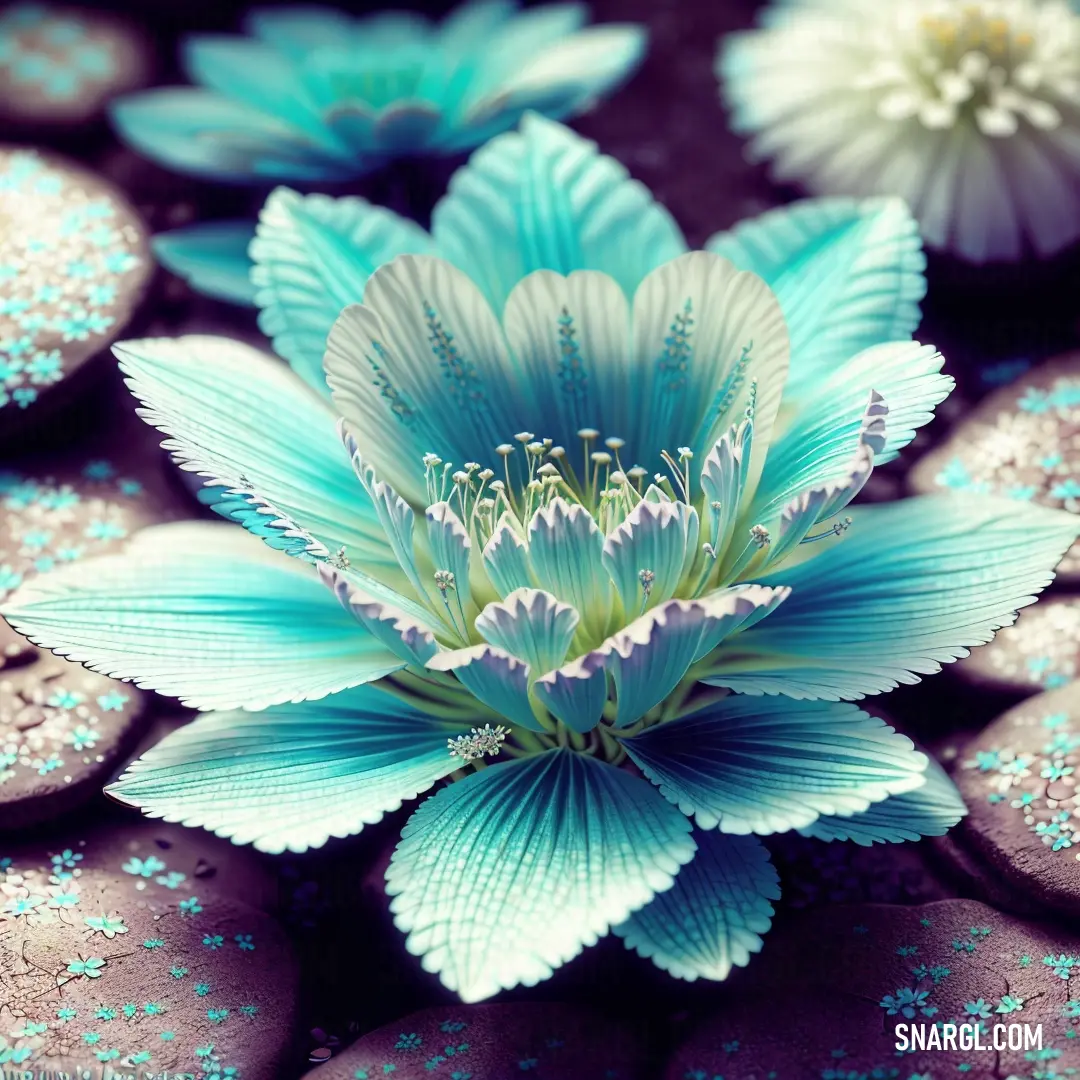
530, 625
498, 679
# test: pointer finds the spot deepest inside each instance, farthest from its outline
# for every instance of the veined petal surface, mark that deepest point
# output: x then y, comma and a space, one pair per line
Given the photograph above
206, 613
293, 776
713, 918
930, 810
748, 765
312, 256
244, 422
910, 586
509, 873
543, 198
849, 273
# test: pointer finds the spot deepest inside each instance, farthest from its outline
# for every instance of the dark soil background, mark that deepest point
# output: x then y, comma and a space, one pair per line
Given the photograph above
669, 128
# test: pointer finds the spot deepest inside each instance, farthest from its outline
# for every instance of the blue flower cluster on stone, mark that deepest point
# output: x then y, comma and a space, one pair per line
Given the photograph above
66, 256
57, 54
53, 895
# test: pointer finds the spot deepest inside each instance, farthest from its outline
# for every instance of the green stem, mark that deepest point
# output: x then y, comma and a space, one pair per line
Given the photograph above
528, 741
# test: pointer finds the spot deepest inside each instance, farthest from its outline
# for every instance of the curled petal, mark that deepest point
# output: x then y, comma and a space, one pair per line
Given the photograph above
407, 633
449, 543
566, 554
495, 677
659, 539
506, 559
577, 692
650, 657
530, 625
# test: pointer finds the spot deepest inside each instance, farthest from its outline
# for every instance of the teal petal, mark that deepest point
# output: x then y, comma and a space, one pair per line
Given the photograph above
449, 545
293, 30
395, 515
400, 624
650, 657
509, 44
312, 257
422, 366
212, 258
816, 505
747, 765
658, 537
570, 338
493, 676
709, 344
714, 916
256, 75
910, 586
565, 77
905, 373
506, 560
205, 613
266, 521
545, 199
292, 777
930, 810
566, 554
577, 692
244, 422
835, 483
824, 428
703, 340
198, 131
848, 274
473, 21
530, 625
423, 363
509, 873
723, 482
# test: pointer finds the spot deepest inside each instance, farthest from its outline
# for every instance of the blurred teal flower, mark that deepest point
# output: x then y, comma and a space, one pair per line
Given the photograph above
647, 510
543, 198
316, 94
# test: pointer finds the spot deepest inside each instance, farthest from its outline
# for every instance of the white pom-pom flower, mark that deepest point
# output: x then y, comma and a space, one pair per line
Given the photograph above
969, 111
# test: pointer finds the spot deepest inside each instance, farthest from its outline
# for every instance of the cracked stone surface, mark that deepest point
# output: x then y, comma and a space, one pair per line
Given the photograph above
120, 951
489, 1042
1018, 778
824, 997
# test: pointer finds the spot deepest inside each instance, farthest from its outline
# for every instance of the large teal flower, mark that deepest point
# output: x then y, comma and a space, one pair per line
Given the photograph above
848, 273
316, 94
533, 553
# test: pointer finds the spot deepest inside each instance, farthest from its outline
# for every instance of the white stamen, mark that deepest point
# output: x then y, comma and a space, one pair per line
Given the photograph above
479, 742
760, 535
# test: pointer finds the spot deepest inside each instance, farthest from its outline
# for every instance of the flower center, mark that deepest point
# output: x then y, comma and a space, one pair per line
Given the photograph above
974, 65
535, 471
